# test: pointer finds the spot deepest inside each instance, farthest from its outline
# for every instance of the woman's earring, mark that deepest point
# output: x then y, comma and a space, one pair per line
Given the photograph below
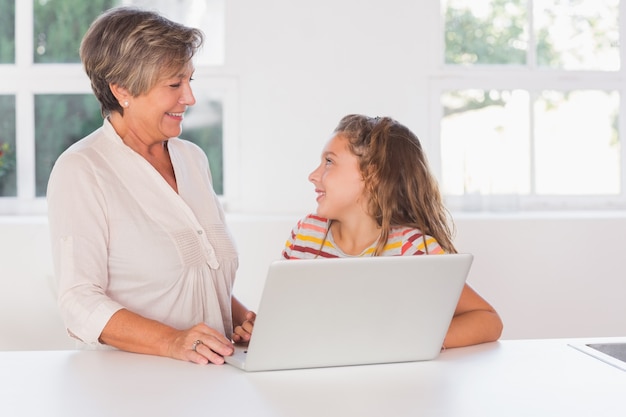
126, 104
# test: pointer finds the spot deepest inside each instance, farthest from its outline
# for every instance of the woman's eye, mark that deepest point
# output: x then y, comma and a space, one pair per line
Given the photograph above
328, 161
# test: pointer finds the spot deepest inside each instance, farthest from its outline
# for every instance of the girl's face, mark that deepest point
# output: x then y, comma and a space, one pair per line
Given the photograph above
158, 114
338, 181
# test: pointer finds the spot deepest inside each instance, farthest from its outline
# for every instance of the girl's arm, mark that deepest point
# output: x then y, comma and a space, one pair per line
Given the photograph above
475, 321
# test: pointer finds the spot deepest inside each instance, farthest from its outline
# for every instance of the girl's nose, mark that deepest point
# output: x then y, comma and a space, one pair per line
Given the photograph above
313, 176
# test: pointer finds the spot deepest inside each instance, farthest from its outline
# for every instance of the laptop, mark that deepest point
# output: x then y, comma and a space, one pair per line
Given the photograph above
353, 311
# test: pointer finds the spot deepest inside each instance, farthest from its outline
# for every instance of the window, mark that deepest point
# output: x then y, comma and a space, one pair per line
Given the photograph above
529, 105
47, 104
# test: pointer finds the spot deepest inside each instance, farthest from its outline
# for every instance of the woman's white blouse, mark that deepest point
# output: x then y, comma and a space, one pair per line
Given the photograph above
123, 238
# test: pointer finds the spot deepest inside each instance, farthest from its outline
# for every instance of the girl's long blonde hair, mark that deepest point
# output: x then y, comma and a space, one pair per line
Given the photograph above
398, 182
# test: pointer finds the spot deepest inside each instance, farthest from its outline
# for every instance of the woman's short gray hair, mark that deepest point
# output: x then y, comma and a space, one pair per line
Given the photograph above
134, 48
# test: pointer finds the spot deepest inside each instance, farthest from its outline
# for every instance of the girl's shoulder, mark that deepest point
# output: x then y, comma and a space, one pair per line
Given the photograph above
307, 238
411, 241
314, 222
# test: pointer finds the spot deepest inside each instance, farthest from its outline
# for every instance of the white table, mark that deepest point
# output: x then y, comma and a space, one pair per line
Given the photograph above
503, 379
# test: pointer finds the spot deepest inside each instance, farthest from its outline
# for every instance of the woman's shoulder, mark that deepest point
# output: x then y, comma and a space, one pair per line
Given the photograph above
83, 151
100, 143
192, 155
88, 141
186, 146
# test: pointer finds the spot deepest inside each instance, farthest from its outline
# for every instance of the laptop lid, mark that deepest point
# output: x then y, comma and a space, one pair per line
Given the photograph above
353, 311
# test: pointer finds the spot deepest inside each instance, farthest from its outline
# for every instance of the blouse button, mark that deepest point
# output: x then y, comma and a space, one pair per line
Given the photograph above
199, 232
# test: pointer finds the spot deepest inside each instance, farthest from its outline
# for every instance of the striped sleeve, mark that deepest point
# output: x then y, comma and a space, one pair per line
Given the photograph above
408, 241
306, 239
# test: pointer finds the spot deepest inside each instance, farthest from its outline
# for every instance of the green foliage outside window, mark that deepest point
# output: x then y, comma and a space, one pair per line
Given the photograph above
61, 120
209, 137
495, 38
7, 31
7, 146
499, 37
60, 26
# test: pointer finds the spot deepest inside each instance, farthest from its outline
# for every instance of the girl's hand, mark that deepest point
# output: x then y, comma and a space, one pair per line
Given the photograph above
243, 332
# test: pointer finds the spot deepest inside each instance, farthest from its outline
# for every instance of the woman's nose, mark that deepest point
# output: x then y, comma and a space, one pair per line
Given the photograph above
188, 98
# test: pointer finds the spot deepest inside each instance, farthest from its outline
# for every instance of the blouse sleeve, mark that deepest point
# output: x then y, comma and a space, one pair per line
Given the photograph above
77, 216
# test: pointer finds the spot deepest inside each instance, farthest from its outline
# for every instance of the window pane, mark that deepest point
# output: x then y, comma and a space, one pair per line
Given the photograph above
8, 186
486, 32
60, 120
577, 149
203, 125
485, 144
7, 31
60, 25
207, 15
577, 34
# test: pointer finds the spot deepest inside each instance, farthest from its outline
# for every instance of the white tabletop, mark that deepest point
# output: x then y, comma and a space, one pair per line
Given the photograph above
507, 378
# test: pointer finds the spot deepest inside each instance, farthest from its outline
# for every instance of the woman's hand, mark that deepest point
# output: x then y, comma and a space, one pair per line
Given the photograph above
133, 333
201, 344
243, 332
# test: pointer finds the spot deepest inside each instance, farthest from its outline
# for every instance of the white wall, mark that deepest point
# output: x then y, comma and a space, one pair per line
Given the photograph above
299, 67
29, 317
550, 275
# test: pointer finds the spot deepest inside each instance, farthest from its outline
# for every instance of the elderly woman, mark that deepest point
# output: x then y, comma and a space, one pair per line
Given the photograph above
143, 258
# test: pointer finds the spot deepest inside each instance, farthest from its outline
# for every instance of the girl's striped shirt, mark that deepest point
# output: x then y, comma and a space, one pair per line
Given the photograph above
305, 242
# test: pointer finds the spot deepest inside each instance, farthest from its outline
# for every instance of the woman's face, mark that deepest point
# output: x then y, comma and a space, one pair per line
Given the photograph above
338, 181
158, 114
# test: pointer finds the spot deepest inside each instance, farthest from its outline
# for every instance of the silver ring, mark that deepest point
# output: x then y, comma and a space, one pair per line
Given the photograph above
195, 345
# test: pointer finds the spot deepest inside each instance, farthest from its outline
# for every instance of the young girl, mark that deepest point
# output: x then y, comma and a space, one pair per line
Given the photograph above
377, 197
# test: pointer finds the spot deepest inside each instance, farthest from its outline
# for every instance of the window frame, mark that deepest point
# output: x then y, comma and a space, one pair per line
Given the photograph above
533, 79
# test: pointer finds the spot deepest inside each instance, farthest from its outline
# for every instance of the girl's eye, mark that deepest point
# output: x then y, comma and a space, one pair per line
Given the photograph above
328, 161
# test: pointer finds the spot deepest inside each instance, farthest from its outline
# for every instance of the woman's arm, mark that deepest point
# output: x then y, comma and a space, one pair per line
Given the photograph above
475, 321
133, 333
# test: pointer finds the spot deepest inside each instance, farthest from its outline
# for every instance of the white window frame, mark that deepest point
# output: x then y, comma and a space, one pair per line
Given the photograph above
25, 79
454, 77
